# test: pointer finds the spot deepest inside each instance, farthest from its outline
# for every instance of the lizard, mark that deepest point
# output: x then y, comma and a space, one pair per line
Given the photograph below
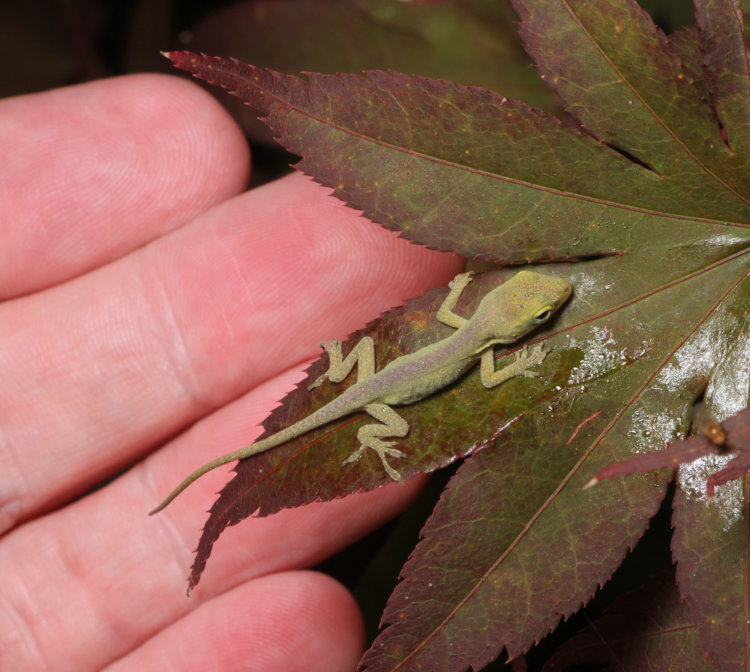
505, 314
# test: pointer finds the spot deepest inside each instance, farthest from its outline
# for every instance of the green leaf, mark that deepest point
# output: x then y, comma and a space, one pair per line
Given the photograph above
312, 468
514, 194
722, 39
515, 541
618, 74
710, 544
646, 208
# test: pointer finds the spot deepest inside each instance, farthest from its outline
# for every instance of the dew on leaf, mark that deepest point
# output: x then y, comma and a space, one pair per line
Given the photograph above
728, 498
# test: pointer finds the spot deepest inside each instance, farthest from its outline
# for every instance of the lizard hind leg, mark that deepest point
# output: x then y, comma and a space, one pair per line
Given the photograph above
371, 436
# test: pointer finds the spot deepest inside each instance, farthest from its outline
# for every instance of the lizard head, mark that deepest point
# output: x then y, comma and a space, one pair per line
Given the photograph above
519, 305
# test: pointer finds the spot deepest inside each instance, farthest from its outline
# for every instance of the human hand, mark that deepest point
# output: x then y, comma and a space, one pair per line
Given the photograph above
144, 295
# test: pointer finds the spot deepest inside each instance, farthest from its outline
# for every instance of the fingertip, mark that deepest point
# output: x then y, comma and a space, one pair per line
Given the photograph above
294, 621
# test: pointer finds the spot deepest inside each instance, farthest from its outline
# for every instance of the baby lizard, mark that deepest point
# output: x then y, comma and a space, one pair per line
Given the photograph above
504, 315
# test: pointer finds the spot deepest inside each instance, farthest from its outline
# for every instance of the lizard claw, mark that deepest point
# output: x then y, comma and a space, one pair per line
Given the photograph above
461, 280
533, 357
382, 448
317, 382
354, 457
334, 344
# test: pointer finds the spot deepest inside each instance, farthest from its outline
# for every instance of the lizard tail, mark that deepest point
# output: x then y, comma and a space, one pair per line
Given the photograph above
332, 411
253, 449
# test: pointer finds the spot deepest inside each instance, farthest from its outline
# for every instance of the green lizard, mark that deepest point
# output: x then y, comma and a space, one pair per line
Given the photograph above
504, 315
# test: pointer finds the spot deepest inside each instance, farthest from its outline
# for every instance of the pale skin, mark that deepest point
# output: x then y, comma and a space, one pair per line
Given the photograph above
505, 314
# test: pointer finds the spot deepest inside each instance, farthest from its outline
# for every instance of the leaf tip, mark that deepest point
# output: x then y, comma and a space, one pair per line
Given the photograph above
185, 60
591, 483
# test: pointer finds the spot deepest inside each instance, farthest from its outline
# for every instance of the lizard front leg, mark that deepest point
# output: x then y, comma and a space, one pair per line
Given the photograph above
520, 367
371, 436
339, 367
445, 313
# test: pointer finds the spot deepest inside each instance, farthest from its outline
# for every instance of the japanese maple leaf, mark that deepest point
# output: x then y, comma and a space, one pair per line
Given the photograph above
641, 196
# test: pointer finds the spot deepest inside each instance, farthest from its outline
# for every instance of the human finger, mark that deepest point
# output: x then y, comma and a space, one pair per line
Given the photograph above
94, 171
292, 621
103, 368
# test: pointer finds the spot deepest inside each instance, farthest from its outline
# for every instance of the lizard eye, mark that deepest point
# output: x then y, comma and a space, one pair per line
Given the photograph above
543, 315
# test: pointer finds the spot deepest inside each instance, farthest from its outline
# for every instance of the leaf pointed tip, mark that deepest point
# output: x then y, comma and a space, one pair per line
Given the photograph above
175, 56
591, 483
186, 60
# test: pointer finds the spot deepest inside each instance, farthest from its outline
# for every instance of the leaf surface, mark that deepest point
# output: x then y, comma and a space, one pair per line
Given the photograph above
722, 41
466, 169
647, 630
711, 551
619, 75
710, 543
650, 202
515, 541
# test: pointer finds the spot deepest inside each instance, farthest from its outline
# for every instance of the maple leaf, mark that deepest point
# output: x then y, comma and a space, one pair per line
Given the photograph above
731, 437
642, 199
647, 630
